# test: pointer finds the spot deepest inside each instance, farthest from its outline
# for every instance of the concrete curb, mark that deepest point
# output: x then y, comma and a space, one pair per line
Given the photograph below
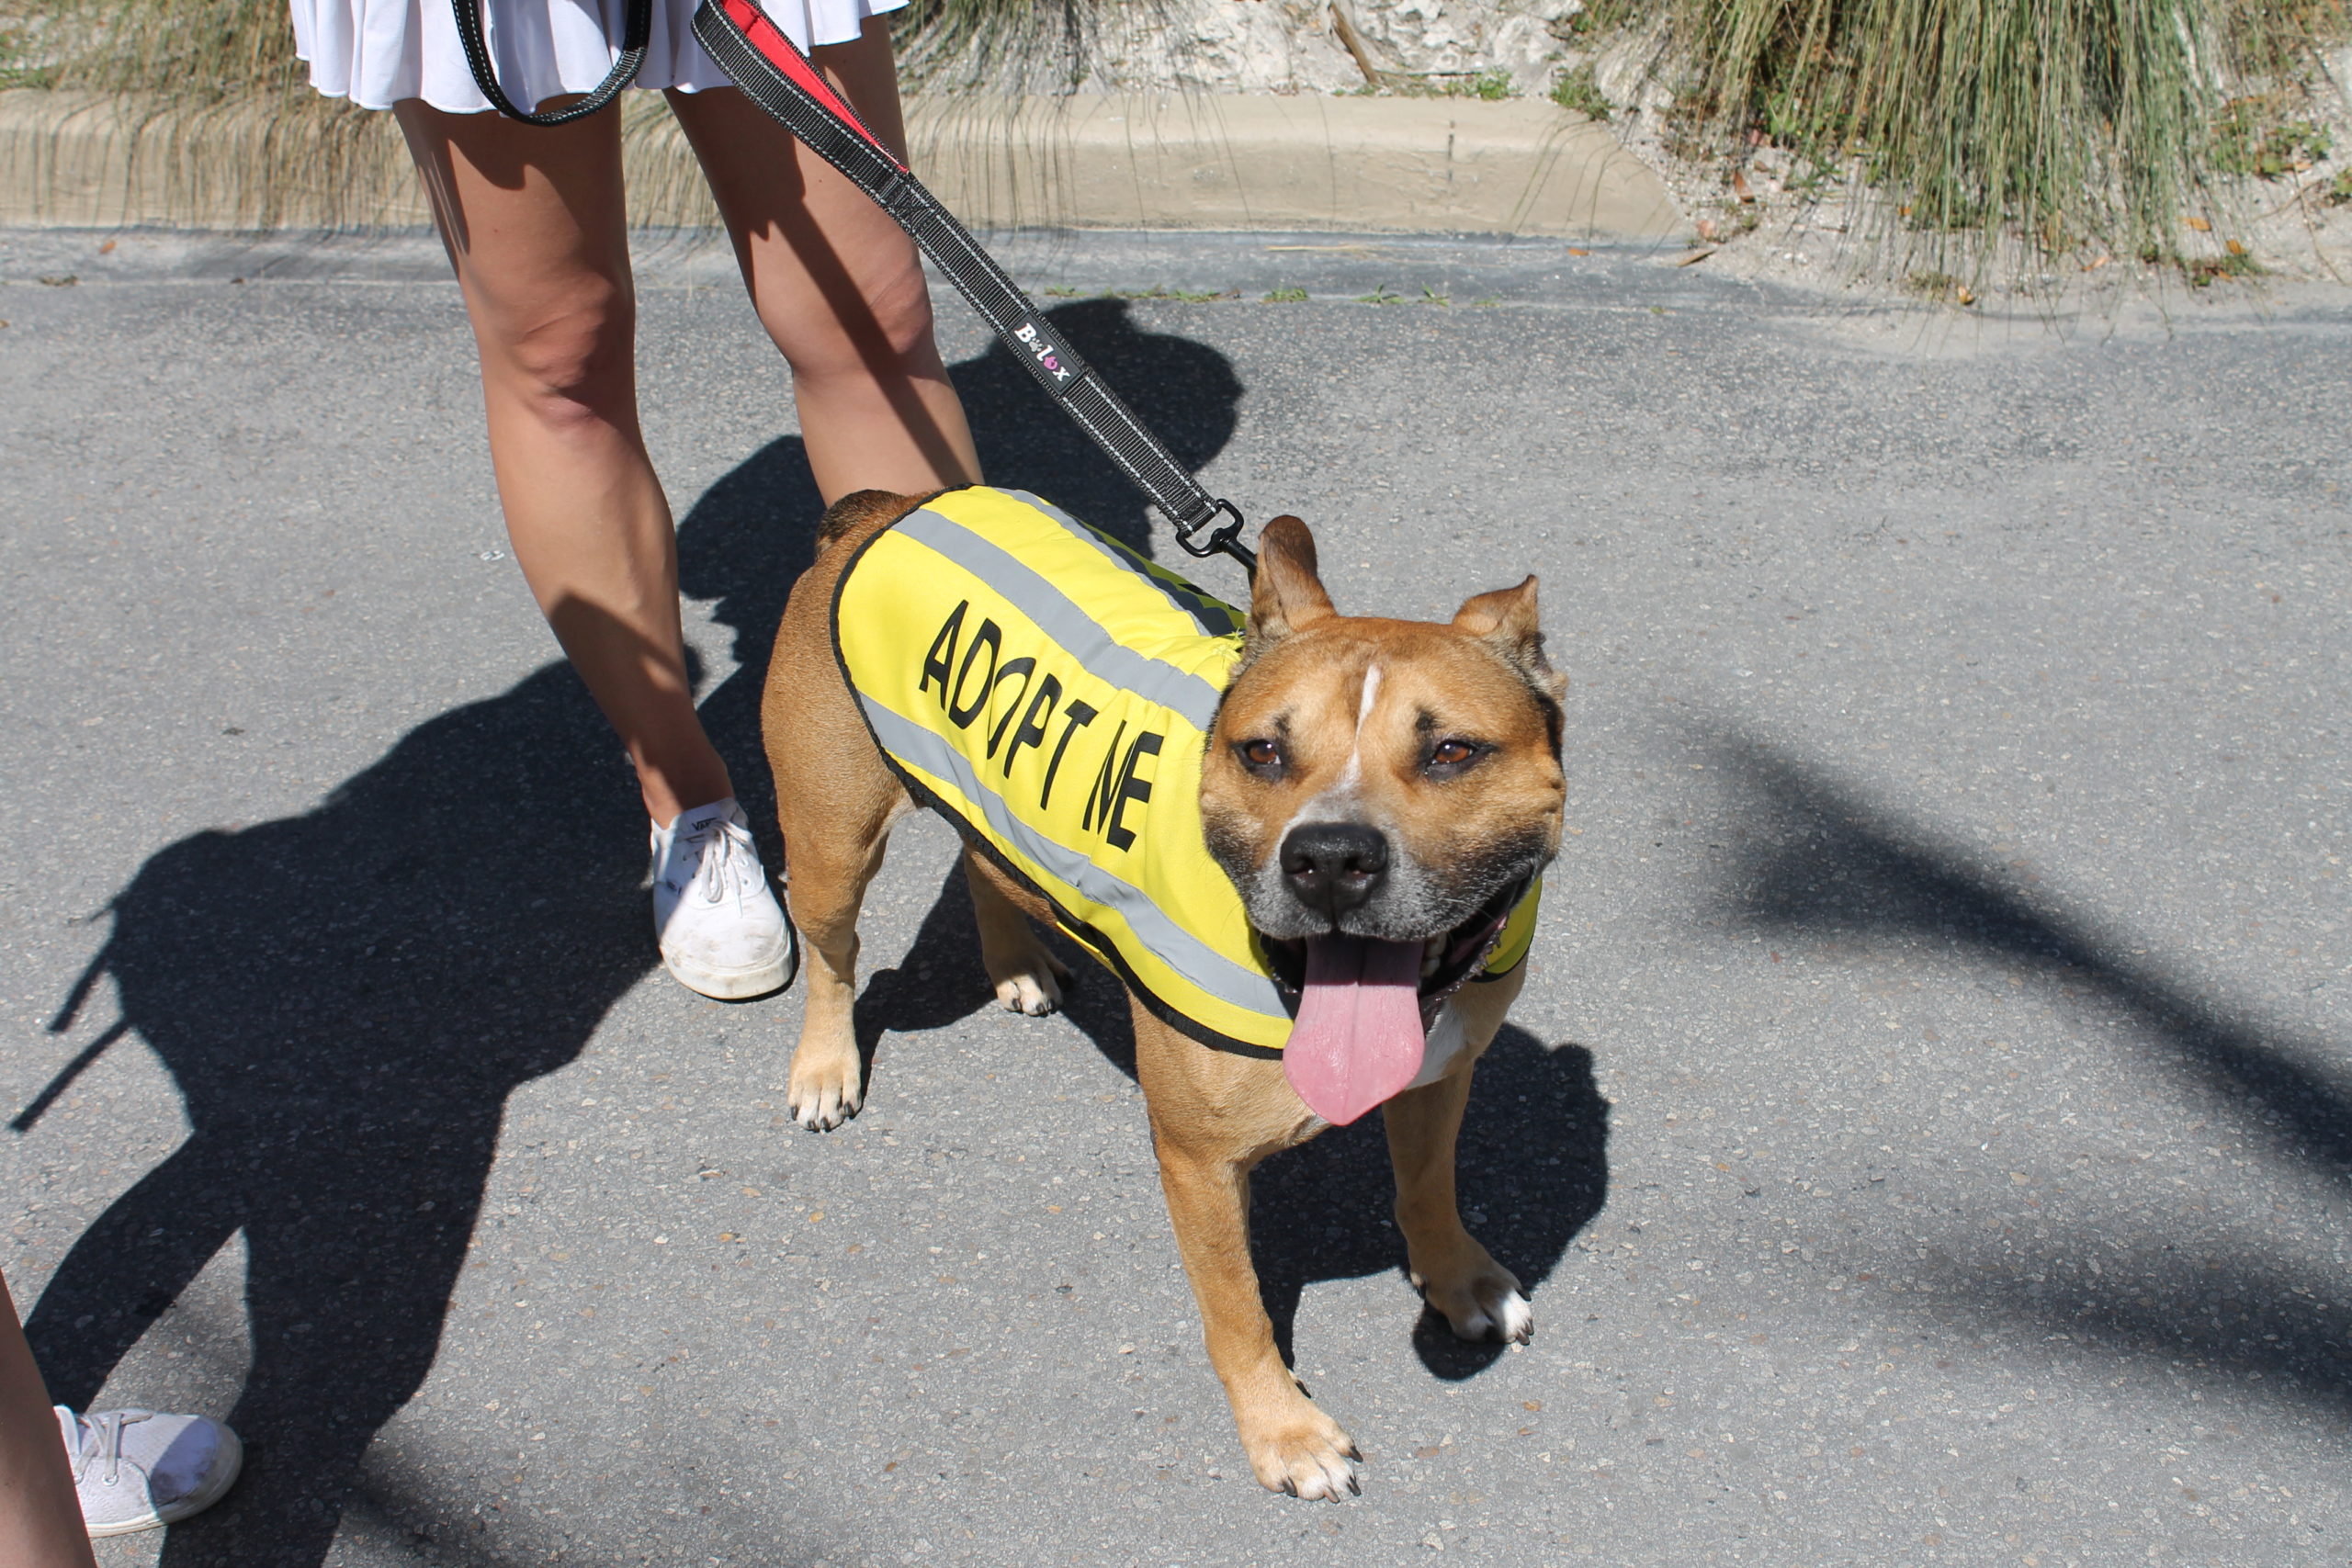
1358, 166
1396, 166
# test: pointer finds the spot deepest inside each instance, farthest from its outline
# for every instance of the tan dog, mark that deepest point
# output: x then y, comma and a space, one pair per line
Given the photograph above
1380, 792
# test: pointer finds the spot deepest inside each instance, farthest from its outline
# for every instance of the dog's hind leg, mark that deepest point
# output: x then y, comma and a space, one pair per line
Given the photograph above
835, 801
828, 882
1028, 977
1480, 1298
834, 839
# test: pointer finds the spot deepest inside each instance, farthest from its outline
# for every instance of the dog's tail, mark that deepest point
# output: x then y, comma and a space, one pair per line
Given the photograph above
863, 513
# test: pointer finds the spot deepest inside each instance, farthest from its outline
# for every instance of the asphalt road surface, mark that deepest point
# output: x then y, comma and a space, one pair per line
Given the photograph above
1925, 1134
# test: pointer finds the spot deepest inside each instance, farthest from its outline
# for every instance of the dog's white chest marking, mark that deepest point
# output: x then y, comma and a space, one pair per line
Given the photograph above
1446, 1040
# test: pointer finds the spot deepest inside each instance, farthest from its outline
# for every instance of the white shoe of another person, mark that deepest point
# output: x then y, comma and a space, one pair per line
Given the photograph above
720, 929
137, 1469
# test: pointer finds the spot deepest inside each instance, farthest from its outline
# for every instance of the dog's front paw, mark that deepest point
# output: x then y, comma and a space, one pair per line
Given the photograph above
1482, 1302
1032, 985
1304, 1453
825, 1089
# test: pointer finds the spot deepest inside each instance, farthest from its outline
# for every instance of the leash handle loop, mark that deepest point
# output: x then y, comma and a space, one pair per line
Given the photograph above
637, 31
775, 73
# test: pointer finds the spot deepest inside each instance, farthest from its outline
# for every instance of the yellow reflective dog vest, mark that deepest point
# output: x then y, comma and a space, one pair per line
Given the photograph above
1052, 692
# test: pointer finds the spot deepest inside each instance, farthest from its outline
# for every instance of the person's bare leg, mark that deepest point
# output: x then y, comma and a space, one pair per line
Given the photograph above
838, 284
536, 227
40, 1517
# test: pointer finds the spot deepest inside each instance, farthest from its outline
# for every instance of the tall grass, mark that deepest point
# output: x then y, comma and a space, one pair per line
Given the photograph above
1001, 45
200, 50
2076, 122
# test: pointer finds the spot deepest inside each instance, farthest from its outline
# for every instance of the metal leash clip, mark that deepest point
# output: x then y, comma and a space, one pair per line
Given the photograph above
1222, 537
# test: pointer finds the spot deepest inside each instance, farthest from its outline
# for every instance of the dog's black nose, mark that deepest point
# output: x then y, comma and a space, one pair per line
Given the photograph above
1334, 866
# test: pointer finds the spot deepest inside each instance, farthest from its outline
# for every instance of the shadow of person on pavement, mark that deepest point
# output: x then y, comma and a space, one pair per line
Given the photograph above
1828, 864
346, 999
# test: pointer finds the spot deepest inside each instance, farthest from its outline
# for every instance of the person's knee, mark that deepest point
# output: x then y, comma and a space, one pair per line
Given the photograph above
884, 332
568, 356
902, 314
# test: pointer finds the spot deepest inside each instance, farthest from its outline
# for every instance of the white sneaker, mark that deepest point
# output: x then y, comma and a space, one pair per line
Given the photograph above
719, 924
137, 1469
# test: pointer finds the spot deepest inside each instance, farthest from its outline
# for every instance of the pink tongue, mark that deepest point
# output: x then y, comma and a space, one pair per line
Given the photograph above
1358, 1037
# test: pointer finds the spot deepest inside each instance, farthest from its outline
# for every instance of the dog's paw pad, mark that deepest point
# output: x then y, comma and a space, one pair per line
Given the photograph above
1031, 993
1484, 1304
822, 1099
1311, 1459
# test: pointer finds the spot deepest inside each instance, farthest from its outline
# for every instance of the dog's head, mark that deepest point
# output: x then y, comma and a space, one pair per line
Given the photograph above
1381, 794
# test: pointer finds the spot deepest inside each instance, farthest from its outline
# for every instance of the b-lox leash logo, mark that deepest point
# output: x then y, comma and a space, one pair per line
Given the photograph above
1044, 349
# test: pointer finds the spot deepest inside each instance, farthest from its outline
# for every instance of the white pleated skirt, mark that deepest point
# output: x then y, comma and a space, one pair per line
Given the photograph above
376, 53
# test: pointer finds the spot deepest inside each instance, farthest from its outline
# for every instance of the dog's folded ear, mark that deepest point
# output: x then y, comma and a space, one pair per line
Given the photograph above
1285, 594
1505, 620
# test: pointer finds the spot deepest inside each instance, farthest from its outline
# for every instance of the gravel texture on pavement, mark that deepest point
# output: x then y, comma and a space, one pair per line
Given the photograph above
1924, 1135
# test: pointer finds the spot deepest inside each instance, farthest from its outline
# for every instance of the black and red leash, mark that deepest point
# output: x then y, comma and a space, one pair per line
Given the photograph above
777, 76
775, 73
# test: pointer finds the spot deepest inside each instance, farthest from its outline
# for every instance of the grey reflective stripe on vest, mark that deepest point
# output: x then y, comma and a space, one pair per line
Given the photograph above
1077, 631
1213, 618
1202, 964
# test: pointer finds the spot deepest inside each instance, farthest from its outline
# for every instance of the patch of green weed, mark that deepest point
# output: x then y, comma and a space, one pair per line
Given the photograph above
1182, 295
1577, 91
1932, 285
1600, 16
2206, 271
1493, 87
1286, 297
19, 67
2246, 142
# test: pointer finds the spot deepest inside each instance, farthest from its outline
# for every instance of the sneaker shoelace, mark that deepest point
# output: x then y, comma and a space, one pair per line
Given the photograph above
728, 862
102, 1439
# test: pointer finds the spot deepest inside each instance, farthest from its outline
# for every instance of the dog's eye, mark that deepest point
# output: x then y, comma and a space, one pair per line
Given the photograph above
1261, 757
1452, 755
